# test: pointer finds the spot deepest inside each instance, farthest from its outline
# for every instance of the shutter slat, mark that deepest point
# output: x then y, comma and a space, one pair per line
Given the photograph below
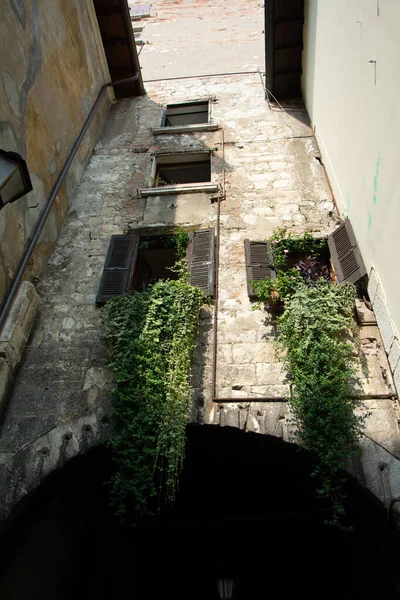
345, 254
118, 267
202, 260
258, 256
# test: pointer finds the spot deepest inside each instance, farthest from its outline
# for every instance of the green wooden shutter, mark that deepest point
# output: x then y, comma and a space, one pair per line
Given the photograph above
119, 267
258, 256
201, 260
345, 254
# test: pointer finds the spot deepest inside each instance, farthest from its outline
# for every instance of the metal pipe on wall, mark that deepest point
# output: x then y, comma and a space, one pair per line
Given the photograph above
53, 195
246, 399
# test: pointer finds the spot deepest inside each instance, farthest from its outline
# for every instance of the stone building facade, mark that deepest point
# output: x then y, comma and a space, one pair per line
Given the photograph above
265, 173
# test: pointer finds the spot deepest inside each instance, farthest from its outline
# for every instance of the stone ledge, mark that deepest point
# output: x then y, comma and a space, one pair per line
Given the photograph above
14, 337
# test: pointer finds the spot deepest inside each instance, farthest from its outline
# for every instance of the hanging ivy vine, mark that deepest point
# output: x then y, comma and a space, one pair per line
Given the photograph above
150, 337
314, 336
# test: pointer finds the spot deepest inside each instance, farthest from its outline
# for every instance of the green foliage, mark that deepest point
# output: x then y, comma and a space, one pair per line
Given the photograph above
313, 336
150, 337
182, 239
287, 280
271, 290
179, 240
282, 243
319, 361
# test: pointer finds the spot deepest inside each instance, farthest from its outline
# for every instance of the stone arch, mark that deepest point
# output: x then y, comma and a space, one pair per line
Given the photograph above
246, 507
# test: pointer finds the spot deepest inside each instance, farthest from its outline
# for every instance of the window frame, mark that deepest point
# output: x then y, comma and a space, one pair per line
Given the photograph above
200, 255
180, 188
207, 126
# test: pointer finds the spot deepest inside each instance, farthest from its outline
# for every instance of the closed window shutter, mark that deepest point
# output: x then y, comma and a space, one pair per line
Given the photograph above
119, 267
258, 257
345, 254
201, 260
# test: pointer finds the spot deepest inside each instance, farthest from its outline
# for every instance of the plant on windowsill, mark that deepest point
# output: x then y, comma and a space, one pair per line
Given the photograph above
157, 182
150, 337
316, 346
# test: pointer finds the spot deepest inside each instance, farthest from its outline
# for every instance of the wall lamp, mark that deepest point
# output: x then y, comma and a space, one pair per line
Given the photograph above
14, 177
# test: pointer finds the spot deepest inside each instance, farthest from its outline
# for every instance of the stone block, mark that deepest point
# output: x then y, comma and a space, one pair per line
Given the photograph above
11, 490
5, 381
261, 352
18, 325
270, 374
229, 417
394, 355
55, 448
383, 319
396, 376
272, 391
229, 375
373, 283
381, 424
253, 422
225, 354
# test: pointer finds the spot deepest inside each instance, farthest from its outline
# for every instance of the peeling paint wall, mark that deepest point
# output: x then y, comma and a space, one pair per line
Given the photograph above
52, 66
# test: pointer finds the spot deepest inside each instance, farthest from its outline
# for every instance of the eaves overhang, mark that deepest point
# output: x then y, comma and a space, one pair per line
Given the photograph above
115, 26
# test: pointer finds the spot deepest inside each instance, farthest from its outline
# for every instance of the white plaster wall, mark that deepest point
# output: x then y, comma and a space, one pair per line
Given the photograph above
357, 122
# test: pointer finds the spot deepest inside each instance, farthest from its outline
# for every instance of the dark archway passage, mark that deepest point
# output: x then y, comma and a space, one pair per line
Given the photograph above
246, 507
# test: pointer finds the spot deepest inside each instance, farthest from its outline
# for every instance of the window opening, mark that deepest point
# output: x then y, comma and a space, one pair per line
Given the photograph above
139, 11
137, 32
157, 253
188, 113
135, 262
177, 169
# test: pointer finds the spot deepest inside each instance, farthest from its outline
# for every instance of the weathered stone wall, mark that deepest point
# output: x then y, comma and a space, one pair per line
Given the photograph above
52, 66
264, 159
60, 405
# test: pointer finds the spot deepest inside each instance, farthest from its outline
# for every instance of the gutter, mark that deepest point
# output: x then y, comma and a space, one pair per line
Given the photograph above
21, 269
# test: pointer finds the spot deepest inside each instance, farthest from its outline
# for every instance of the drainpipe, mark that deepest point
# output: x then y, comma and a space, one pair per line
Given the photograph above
50, 201
247, 399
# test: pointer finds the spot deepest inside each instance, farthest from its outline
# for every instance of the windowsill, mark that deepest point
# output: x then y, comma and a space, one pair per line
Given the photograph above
185, 128
182, 188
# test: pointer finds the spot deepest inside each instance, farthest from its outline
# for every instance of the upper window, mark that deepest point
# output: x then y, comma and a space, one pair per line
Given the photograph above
174, 169
137, 32
139, 11
185, 117
188, 113
180, 172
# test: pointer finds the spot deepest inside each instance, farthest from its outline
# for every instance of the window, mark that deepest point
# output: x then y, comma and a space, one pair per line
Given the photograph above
258, 256
185, 117
182, 168
139, 11
345, 254
180, 172
137, 32
133, 263
188, 113
340, 250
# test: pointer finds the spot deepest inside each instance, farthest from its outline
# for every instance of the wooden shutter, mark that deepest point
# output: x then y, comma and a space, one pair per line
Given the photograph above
345, 254
201, 260
119, 267
258, 257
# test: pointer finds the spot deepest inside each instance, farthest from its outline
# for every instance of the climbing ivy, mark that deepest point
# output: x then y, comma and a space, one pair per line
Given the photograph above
150, 337
316, 335
313, 338
283, 242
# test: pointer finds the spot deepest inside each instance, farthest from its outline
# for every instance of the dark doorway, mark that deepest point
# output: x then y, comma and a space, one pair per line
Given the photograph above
246, 507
